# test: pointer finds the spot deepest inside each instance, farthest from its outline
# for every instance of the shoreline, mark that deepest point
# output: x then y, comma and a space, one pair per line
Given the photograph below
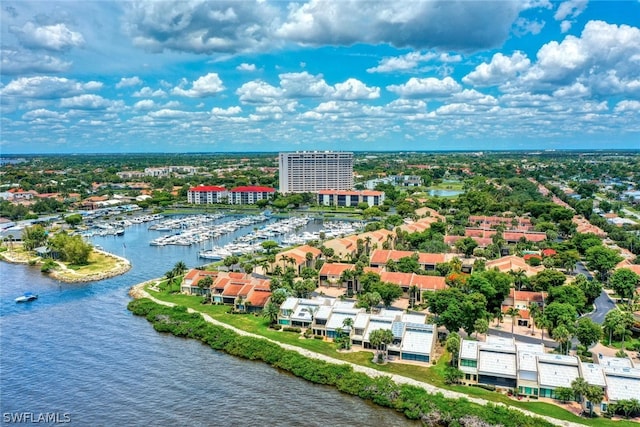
67, 275
137, 292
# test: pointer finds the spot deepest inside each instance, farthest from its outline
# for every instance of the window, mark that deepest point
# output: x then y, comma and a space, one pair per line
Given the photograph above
469, 363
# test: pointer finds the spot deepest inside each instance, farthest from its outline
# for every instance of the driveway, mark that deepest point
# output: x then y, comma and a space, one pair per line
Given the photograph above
603, 304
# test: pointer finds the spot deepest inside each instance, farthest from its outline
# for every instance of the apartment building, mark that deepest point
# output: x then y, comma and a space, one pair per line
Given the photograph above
312, 171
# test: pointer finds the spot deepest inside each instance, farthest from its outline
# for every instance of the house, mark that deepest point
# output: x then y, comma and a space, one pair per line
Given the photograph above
522, 300
482, 242
513, 263
330, 274
298, 258
380, 257
408, 280
418, 226
556, 370
190, 281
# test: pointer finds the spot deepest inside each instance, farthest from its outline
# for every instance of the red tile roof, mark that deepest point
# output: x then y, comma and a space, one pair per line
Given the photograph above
335, 269
208, 188
258, 297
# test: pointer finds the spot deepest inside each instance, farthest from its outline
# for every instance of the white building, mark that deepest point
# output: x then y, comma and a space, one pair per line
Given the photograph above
350, 198
311, 171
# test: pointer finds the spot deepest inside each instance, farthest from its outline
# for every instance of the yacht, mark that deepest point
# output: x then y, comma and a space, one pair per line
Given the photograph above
27, 297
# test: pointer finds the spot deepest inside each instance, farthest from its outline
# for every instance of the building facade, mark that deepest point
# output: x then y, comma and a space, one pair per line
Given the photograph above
208, 194
247, 195
312, 171
345, 198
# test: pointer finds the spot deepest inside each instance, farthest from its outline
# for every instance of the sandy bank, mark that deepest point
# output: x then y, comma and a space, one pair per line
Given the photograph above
67, 275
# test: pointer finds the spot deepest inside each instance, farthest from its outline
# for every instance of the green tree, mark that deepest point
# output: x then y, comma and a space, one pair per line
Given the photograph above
466, 246
453, 347
624, 282
205, 283
547, 279
369, 300
563, 336
514, 313
73, 220
564, 394
594, 395
569, 294
452, 375
33, 237
618, 322
388, 292
269, 245
270, 312
602, 260
380, 338
481, 326
579, 387
588, 331
180, 268
561, 314
590, 288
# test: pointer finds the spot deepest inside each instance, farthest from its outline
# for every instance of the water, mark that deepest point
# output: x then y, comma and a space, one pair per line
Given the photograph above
77, 350
445, 193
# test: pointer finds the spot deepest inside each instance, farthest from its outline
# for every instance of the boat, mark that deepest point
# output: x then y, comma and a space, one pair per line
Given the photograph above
27, 297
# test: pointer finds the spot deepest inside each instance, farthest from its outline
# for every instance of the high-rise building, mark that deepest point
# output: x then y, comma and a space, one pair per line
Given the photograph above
312, 171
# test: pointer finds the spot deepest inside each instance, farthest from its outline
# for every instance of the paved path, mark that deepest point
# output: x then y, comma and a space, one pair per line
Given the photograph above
138, 291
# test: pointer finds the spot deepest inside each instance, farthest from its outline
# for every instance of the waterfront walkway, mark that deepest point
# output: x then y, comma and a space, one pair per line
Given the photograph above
138, 291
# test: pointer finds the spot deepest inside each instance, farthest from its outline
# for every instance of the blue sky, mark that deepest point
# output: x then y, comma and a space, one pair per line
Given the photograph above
198, 76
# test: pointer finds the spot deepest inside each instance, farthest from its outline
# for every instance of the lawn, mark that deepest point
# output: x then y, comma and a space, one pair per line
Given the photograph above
433, 374
456, 185
97, 262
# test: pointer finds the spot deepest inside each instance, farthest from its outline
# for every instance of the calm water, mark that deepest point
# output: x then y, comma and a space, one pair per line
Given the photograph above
77, 350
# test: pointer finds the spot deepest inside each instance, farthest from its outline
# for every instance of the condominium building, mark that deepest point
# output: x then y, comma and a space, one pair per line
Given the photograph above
311, 171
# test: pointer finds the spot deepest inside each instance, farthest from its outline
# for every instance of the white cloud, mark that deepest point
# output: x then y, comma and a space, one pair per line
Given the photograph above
402, 23
45, 87
27, 62
627, 105
85, 102
300, 85
411, 61
201, 27
168, 114
353, 89
230, 111
500, 69
148, 92
405, 106
602, 59
524, 26
208, 85
145, 104
570, 9
426, 87
258, 92
49, 37
128, 82
246, 67
42, 114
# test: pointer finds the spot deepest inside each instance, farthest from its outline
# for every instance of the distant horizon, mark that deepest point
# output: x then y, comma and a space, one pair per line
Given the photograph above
216, 75
528, 151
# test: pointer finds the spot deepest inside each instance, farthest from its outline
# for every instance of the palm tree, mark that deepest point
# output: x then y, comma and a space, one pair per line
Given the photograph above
413, 293
518, 277
514, 313
562, 335
498, 315
580, 387
367, 241
308, 257
170, 275
534, 312
271, 311
543, 323
380, 337
180, 268
594, 395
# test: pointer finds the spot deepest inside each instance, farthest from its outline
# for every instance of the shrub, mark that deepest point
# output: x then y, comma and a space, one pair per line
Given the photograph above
292, 329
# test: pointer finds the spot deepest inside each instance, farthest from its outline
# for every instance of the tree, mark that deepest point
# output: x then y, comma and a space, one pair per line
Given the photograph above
602, 260
564, 394
588, 331
466, 246
73, 220
481, 326
452, 375
542, 322
534, 312
594, 396
453, 347
302, 288
388, 292
579, 387
561, 314
624, 282
618, 322
519, 277
380, 338
170, 275
205, 283
569, 294
590, 288
269, 245
514, 313
180, 268
547, 279
33, 237
230, 261
562, 335
369, 300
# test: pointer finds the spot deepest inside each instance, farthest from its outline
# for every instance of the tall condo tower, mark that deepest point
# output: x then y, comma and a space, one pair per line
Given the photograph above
312, 171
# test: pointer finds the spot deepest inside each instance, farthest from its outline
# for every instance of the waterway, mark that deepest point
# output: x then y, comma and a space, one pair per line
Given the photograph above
78, 352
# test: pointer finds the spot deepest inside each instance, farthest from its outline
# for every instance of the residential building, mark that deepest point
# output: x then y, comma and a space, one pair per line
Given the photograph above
513, 263
312, 171
380, 257
344, 198
249, 195
207, 194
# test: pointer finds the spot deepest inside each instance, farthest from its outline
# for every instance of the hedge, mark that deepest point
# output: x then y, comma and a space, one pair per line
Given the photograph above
414, 402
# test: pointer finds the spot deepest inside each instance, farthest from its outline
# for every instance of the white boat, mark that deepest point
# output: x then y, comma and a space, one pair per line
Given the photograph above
27, 297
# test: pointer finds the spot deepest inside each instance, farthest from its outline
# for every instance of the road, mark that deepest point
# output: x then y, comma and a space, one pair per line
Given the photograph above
603, 305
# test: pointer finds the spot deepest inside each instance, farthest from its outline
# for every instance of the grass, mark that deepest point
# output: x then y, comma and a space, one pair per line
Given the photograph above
430, 374
447, 186
97, 262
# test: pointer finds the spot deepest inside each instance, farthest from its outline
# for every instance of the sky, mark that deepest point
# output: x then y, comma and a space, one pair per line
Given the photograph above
235, 76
